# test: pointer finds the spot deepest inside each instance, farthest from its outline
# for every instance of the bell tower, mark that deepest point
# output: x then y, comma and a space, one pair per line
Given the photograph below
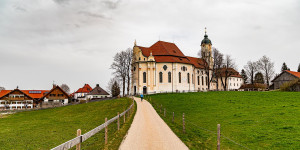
206, 50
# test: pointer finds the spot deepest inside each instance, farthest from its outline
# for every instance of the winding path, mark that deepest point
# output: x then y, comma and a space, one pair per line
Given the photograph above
149, 132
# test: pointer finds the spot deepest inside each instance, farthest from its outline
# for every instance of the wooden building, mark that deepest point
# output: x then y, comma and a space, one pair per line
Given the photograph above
284, 77
56, 96
16, 99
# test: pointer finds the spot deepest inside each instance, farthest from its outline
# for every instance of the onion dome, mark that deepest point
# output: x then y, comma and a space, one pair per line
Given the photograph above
206, 40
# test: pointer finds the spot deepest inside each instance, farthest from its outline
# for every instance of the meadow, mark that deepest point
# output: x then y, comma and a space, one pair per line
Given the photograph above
249, 120
45, 129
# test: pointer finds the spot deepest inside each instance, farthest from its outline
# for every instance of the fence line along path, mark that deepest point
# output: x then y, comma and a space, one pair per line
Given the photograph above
149, 131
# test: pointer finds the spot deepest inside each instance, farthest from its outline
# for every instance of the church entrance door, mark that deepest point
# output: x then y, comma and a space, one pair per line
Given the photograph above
144, 90
134, 89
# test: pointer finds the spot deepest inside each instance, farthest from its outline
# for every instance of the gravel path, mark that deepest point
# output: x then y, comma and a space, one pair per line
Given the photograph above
149, 132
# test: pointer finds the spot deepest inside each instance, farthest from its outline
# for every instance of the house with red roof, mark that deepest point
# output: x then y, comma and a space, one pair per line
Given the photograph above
284, 77
20, 99
163, 67
81, 93
233, 79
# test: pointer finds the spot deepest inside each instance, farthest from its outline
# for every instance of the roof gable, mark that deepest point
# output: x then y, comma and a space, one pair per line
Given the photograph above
16, 90
98, 91
56, 87
85, 89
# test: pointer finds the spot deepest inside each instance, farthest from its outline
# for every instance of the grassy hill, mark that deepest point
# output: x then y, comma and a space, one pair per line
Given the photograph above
255, 120
45, 129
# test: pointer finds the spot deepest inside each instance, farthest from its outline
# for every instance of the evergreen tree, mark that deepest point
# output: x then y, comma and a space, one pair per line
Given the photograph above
284, 67
244, 76
115, 89
299, 68
259, 78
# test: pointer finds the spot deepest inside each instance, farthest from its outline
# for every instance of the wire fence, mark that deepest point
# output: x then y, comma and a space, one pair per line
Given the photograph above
178, 120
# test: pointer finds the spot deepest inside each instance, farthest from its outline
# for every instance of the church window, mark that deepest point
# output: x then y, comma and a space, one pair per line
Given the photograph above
144, 77
198, 80
139, 58
188, 77
192, 79
160, 77
202, 81
179, 76
165, 67
169, 77
134, 68
206, 80
144, 59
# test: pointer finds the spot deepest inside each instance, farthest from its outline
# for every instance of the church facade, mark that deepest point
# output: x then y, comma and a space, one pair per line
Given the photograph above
162, 68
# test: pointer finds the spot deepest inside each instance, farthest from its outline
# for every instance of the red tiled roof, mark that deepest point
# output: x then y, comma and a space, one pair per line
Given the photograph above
4, 92
169, 52
85, 89
297, 74
162, 48
36, 94
233, 73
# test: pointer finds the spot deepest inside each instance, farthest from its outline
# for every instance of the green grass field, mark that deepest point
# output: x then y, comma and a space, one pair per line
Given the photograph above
45, 129
255, 120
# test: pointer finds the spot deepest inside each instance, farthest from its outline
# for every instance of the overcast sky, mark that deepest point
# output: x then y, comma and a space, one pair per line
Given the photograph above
74, 41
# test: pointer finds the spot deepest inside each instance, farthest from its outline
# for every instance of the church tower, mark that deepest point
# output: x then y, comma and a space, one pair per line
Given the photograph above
206, 50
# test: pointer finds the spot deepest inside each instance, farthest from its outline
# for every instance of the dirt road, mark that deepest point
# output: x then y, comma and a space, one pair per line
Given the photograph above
149, 132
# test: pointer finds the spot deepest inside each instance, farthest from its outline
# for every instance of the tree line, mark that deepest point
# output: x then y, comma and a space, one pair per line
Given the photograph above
122, 73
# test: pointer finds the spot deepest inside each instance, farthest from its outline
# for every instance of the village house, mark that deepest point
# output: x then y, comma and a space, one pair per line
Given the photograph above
284, 77
97, 92
162, 67
20, 99
234, 79
81, 93
56, 96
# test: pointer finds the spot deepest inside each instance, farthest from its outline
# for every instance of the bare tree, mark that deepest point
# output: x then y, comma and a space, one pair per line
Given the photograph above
66, 88
120, 68
128, 67
251, 68
218, 61
267, 67
226, 71
206, 66
1, 88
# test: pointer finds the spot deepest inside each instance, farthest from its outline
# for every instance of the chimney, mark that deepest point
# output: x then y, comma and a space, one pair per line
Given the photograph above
54, 85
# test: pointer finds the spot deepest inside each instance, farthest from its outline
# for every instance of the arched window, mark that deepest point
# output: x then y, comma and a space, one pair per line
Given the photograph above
179, 77
144, 77
160, 77
192, 79
188, 77
198, 80
202, 81
206, 80
169, 77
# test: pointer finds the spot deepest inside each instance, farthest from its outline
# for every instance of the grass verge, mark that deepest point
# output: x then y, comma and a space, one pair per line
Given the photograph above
255, 120
45, 129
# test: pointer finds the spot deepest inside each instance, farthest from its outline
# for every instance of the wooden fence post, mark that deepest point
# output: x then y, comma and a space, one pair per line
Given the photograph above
79, 144
219, 136
173, 117
106, 130
165, 112
183, 123
118, 121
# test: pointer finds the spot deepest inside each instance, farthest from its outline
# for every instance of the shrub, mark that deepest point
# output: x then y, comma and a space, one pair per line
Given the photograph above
290, 86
